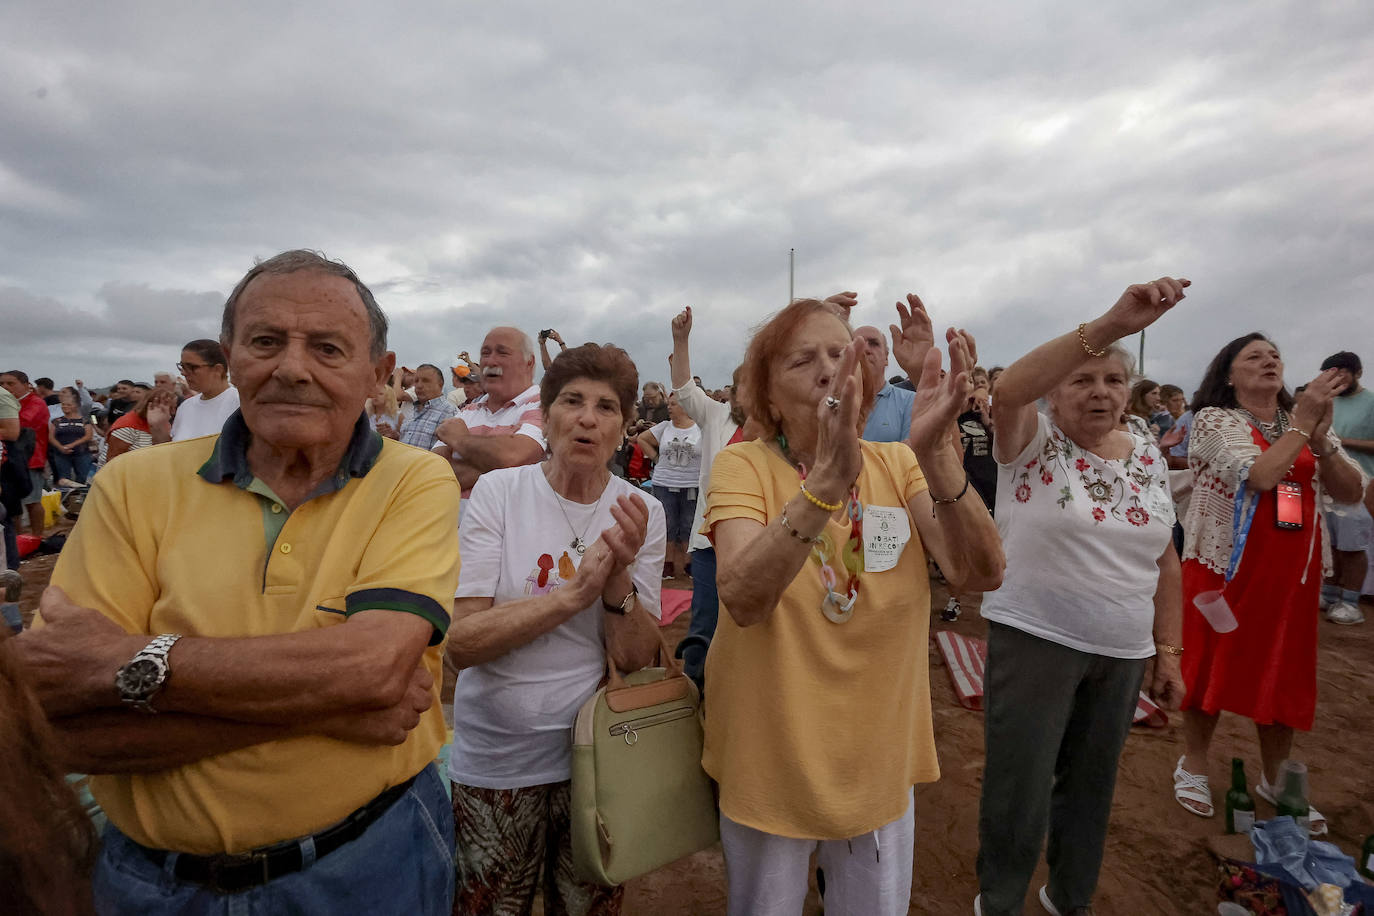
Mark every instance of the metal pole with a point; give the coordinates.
(1141, 368)
(791, 274)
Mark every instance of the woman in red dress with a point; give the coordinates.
(1253, 445)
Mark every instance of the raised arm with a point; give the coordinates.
(955, 526)
(1032, 376)
(680, 366)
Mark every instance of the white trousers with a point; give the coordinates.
(868, 875)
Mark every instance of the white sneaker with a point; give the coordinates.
(1344, 612)
(1324, 603)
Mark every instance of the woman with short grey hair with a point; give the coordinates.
(1091, 590)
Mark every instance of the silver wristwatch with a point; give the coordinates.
(145, 674)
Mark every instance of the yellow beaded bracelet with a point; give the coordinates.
(811, 498)
(1083, 339)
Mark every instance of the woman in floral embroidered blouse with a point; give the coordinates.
(1091, 587)
(1249, 437)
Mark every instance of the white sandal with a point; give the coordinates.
(1316, 821)
(1192, 787)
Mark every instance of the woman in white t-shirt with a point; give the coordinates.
(1091, 590)
(383, 411)
(675, 448)
(561, 565)
(206, 371)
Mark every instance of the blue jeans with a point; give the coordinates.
(705, 611)
(76, 466)
(403, 863)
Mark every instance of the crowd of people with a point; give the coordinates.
(284, 582)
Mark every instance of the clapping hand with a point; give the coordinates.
(940, 401)
(1142, 304)
(838, 457)
(626, 537)
(1174, 436)
(913, 337)
(1312, 412)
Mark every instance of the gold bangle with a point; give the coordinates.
(811, 498)
(1171, 649)
(1300, 431)
(1083, 339)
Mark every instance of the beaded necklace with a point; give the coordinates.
(836, 607)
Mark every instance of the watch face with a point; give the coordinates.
(141, 676)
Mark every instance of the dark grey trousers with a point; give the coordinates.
(1054, 724)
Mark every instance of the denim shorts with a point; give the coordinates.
(679, 508)
(1351, 527)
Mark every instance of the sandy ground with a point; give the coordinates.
(1156, 860)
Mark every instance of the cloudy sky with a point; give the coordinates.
(594, 167)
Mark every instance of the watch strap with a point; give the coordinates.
(157, 650)
(624, 606)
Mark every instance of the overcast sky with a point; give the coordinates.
(594, 168)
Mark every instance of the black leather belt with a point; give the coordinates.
(230, 874)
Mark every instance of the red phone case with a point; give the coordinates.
(1288, 497)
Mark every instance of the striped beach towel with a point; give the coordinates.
(966, 657)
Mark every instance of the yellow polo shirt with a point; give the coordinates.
(817, 730)
(181, 538)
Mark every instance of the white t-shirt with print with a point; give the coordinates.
(513, 716)
(1082, 536)
(679, 455)
(198, 416)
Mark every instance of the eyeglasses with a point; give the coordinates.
(191, 367)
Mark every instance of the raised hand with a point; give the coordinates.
(586, 586)
(843, 302)
(1314, 404)
(913, 337)
(682, 326)
(1142, 304)
(838, 457)
(940, 401)
(1174, 436)
(554, 335)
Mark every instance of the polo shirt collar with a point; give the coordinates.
(887, 390)
(229, 459)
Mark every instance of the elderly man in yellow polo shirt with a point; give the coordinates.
(278, 596)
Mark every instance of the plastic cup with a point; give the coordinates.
(1215, 609)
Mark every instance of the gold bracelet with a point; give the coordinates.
(1083, 339)
(787, 524)
(811, 498)
(1300, 431)
(1171, 649)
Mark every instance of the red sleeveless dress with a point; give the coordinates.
(1266, 668)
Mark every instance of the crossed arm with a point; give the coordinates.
(361, 681)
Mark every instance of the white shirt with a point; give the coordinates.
(1083, 536)
(717, 428)
(513, 716)
(679, 455)
(199, 416)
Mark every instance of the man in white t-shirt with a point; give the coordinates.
(206, 371)
(504, 427)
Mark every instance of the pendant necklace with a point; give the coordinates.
(1270, 431)
(836, 607)
(579, 541)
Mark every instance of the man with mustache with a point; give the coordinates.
(278, 595)
(503, 428)
(1351, 528)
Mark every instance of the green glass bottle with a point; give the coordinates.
(1240, 807)
(1366, 862)
(1292, 797)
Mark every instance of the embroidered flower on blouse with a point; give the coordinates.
(1023, 493)
(1135, 488)
(1098, 514)
(1146, 460)
(1082, 464)
(1099, 491)
(1137, 516)
(1046, 476)
(1032, 463)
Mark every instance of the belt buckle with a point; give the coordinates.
(233, 863)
